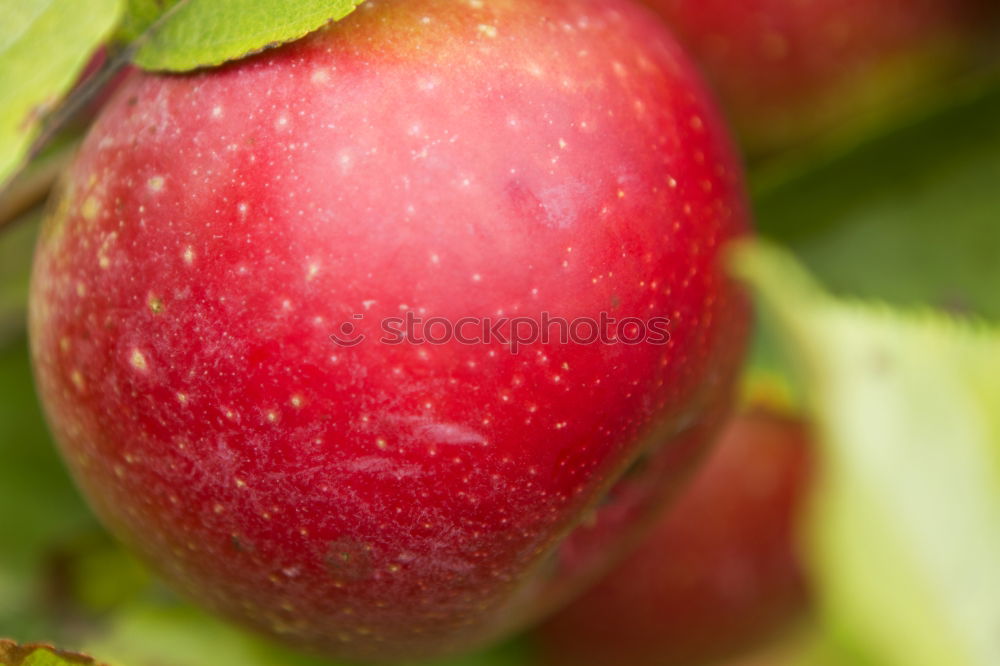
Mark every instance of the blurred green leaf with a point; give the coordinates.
(150, 634)
(101, 575)
(44, 45)
(906, 522)
(804, 645)
(40, 511)
(146, 634)
(200, 33)
(38, 505)
(911, 217)
(16, 250)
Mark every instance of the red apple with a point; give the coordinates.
(421, 159)
(717, 575)
(790, 69)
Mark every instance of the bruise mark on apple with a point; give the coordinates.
(555, 208)
(239, 545)
(525, 202)
(349, 560)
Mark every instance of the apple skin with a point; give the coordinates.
(718, 575)
(789, 71)
(385, 501)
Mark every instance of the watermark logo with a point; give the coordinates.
(512, 332)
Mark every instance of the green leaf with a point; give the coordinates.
(12, 654)
(910, 217)
(44, 44)
(140, 15)
(906, 523)
(201, 33)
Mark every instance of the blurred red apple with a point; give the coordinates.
(790, 69)
(718, 575)
(390, 499)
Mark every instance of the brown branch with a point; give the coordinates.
(31, 186)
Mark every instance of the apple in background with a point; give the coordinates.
(789, 70)
(383, 501)
(719, 573)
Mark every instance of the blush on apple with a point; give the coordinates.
(718, 574)
(421, 159)
(789, 70)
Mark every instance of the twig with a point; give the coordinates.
(32, 184)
